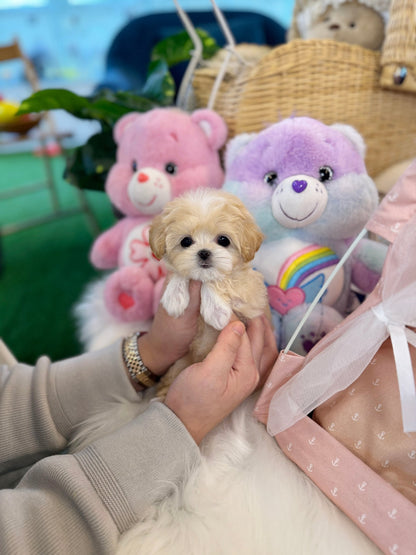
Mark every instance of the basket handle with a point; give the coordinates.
(230, 49)
(195, 57)
(398, 58)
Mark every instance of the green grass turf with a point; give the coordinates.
(45, 268)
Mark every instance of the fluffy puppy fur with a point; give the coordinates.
(210, 236)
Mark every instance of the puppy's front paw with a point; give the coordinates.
(175, 299)
(214, 310)
(220, 318)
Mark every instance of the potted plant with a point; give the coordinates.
(87, 165)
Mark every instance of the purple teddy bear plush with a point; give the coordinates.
(307, 186)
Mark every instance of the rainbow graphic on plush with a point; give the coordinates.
(304, 263)
(301, 276)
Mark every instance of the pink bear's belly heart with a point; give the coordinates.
(125, 300)
(284, 300)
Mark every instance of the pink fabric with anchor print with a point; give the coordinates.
(383, 514)
(365, 419)
(355, 448)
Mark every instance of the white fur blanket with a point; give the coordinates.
(246, 498)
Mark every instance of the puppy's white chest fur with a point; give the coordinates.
(214, 309)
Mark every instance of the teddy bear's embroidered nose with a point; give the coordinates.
(142, 177)
(299, 185)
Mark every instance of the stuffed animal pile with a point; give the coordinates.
(160, 154)
(304, 182)
(307, 187)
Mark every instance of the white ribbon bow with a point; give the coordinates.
(354, 344)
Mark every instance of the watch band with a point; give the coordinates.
(138, 371)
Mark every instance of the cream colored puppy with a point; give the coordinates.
(209, 236)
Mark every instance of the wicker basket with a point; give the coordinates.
(333, 82)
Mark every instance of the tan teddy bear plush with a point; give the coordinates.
(360, 22)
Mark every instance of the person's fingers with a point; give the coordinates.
(245, 364)
(270, 351)
(222, 356)
(194, 295)
(255, 332)
(269, 338)
(165, 282)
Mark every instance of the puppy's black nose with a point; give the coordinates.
(204, 254)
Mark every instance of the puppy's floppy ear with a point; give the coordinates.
(251, 241)
(157, 236)
(250, 236)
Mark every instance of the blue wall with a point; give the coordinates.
(68, 41)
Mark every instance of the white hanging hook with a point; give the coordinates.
(230, 51)
(230, 47)
(195, 58)
(224, 25)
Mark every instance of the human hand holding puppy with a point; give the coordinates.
(205, 393)
(208, 391)
(208, 237)
(169, 338)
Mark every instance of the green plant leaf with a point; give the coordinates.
(159, 85)
(107, 112)
(53, 99)
(209, 45)
(87, 166)
(128, 99)
(178, 47)
(106, 106)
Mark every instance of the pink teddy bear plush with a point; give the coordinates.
(160, 154)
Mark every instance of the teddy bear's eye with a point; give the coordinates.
(187, 242)
(325, 173)
(270, 178)
(134, 165)
(352, 24)
(223, 241)
(171, 168)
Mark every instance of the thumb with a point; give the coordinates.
(223, 355)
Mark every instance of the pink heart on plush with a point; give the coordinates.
(125, 300)
(284, 300)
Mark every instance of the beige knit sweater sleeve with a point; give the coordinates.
(83, 502)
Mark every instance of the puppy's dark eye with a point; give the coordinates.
(325, 173)
(134, 165)
(352, 24)
(171, 168)
(223, 241)
(187, 242)
(270, 178)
